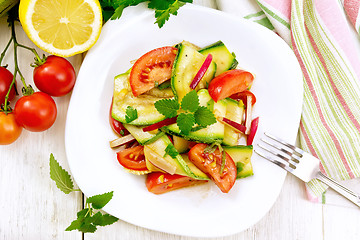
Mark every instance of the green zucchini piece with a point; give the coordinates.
(210, 134)
(144, 104)
(156, 152)
(187, 63)
(200, 175)
(242, 158)
(181, 144)
(224, 59)
(142, 137)
(234, 112)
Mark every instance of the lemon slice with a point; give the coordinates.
(61, 27)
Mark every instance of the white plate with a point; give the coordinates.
(201, 211)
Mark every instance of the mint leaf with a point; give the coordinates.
(190, 101)
(103, 219)
(204, 117)
(185, 121)
(131, 114)
(83, 222)
(60, 176)
(100, 200)
(167, 107)
(76, 224)
(171, 151)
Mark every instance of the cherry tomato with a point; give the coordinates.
(9, 129)
(243, 97)
(210, 164)
(36, 112)
(6, 78)
(229, 83)
(117, 126)
(159, 183)
(133, 158)
(55, 77)
(152, 68)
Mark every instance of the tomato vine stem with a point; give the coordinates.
(27, 89)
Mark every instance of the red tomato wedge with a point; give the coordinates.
(229, 83)
(133, 158)
(159, 183)
(152, 68)
(210, 164)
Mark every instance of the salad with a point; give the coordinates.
(180, 113)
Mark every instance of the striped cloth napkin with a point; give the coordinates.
(324, 35)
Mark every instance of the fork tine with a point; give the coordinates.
(282, 157)
(273, 160)
(298, 150)
(292, 155)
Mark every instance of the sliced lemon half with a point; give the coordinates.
(61, 27)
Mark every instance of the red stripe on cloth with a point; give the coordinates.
(333, 85)
(317, 103)
(352, 9)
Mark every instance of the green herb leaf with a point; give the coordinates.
(171, 151)
(100, 200)
(190, 101)
(131, 114)
(204, 117)
(162, 15)
(100, 219)
(61, 177)
(185, 121)
(167, 107)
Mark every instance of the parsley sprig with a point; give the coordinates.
(113, 9)
(87, 219)
(191, 112)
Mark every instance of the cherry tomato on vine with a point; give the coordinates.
(6, 78)
(9, 129)
(56, 76)
(36, 112)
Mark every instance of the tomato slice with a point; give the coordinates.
(152, 68)
(158, 183)
(133, 158)
(229, 83)
(117, 126)
(210, 164)
(243, 97)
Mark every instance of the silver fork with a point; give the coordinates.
(301, 164)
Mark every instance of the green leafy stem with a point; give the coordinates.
(87, 219)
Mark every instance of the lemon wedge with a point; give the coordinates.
(61, 27)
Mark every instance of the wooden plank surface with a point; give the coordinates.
(32, 207)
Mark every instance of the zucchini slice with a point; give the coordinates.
(143, 137)
(187, 63)
(234, 112)
(242, 158)
(144, 104)
(155, 153)
(221, 56)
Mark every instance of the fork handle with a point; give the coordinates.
(355, 198)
